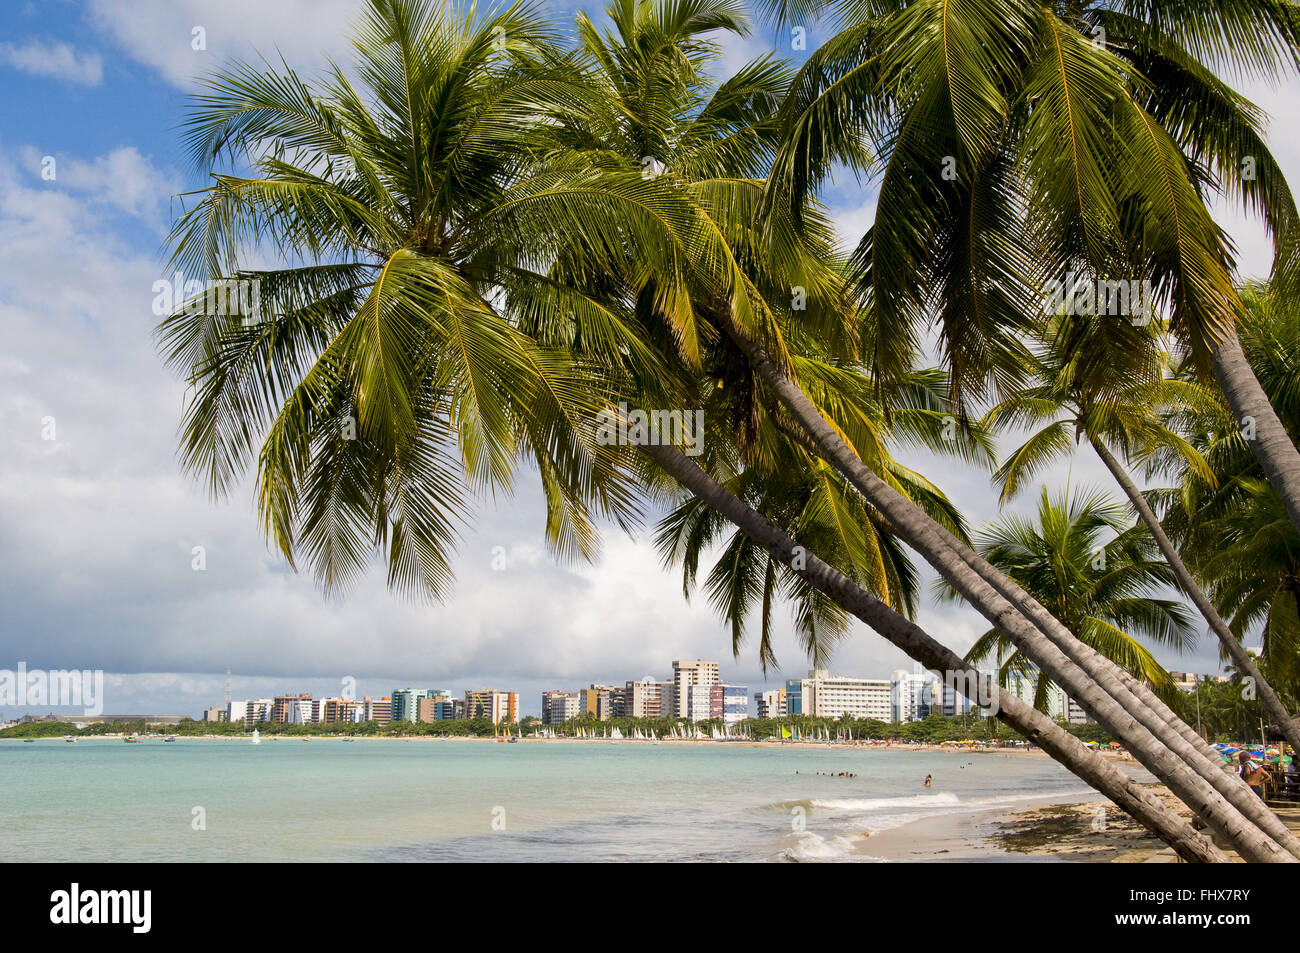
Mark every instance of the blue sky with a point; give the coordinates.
(98, 525)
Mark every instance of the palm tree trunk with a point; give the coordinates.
(1272, 445)
(1087, 765)
(1231, 644)
(1223, 800)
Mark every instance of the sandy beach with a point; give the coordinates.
(1074, 830)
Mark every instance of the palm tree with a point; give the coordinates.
(982, 279)
(820, 509)
(1081, 388)
(1254, 570)
(1101, 588)
(967, 107)
(382, 382)
(740, 304)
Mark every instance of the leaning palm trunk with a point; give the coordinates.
(1085, 764)
(1271, 444)
(1231, 644)
(1221, 799)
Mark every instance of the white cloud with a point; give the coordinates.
(160, 33)
(123, 179)
(57, 60)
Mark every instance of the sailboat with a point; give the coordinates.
(257, 738)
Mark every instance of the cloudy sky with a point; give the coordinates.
(98, 526)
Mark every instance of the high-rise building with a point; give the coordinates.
(735, 704)
(379, 710)
(598, 701)
(449, 709)
(406, 700)
(700, 702)
(905, 693)
(499, 707)
(823, 695)
(942, 699)
(771, 704)
(688, 672)
(336, 710)
(426, 710)
(644, 699)
(834, 696)
(290, 709)
(794, 695)
(214, 714)
(558, 707)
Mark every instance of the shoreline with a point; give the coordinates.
(1078, 828)
(838, 747)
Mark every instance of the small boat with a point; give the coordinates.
(257, 739)
(131, 740)
(170, 738)
(69, 739)
(29, 741)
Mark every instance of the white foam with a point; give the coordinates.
(811, 848)
(868, 805)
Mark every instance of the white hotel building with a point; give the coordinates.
(823, 695)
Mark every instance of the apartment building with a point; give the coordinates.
(380, 709)
(336, 710)
(499, 707)
(449, 709)
(558, 707)
(426, 709)
(645, 699)
(688, 672)
(598, 701)
(772, 703)
(823, 695)
(290, 709)
(735, 704)
(406, 701)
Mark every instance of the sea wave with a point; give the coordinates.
(810, 847)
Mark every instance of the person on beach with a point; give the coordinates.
(927, 780)
(1252, 772)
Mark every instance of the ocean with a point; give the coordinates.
(385, 800)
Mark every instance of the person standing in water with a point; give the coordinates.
(927, 780)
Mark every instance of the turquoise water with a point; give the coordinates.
(102, 800)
